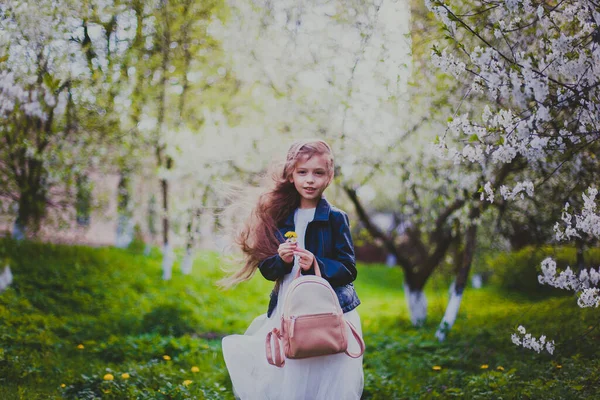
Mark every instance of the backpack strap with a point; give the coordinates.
(279, 360)
(315, 267)
(361, 342)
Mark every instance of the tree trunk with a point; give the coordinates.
(83, 200)
(19, 231)
(32, 202)
(450, 314)
(417, 260)
(188, 261)
(168, 256)
(151, 225)
(188, 258)
(457, 288)
(5, 279)
(164, 160)
(417, 305)
(124, 218)
(167, 263)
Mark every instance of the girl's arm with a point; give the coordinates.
(274, 267)
(340, 270)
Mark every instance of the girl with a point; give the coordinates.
(296, 203)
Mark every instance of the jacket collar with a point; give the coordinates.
(321, 213)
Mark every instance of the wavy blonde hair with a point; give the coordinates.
(257, 238)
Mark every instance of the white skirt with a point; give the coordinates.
(335, 376)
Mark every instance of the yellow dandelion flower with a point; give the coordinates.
(187, 382)
(484, 366)
(108, 377)
(80, 346)
(166, 358)
(195, 369)
(500, 368)
(291, 236)
(558, 366)
(62, 385)
(125, 376)
(437, 368)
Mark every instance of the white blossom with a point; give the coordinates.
(587, 222)
(526, 340)
(489, 191)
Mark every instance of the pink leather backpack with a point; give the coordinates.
(312, 322)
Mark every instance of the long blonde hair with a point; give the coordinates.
(257, 238)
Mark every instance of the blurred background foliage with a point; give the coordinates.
(127, 124)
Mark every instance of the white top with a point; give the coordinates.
(302, 217)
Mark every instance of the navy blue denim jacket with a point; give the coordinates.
(328, 238)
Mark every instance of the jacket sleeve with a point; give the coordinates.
(274, 267)
(340, 270)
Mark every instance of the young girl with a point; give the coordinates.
(296, 203)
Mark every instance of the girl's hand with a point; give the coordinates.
(305, 258)
(286, 251)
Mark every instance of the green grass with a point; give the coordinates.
(114, 303)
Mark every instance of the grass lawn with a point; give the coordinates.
(76, 315)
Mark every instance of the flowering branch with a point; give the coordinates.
(526, 340)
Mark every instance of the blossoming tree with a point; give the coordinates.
(535, 65)
(45, 94)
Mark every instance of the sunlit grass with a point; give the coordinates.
(76, 315)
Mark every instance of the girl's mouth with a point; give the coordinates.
(310, 190)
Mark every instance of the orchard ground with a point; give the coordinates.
(91, 323)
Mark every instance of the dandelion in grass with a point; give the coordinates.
(484, 366)
(80, 346)
(166, 358)
(195, 369)
(558, 366)
(437, 368)
(62, 385)
(108, 377)
(125, 375)
(187, 382)
(500, 368)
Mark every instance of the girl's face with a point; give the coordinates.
(311, 178)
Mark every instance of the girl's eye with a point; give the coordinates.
(301, 172)
(319, 172)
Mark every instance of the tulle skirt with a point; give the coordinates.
(335, 376)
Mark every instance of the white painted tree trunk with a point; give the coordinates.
(390, 260)
(124, 231)
(18, 232)
(476, 281)
(147, 249)
(450, 315)
(188, 261)
(6, 278)
(168, 260)
(417, 305)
